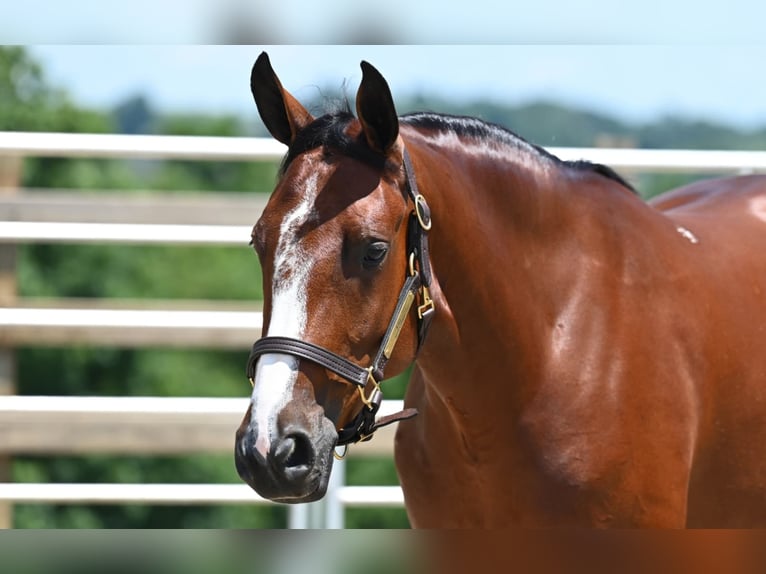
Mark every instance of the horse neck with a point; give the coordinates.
(503, 229)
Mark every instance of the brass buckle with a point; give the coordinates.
(428, 303)
(376, 387)
(420, 202)
(425, 296)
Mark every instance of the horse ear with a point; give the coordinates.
(282, 114)
(376, 111)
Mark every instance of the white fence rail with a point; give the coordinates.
(264, 149)
(184, 494)
(148, 425)
(48, 232)
(129, 327)
(130, 424)
(40, 144)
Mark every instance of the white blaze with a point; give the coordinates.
(276, 373)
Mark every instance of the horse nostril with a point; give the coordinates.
(295, 452)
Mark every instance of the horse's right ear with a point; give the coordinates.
(282, 114)
(375, 110)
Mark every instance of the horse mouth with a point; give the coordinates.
(318, 492)
(310, 489)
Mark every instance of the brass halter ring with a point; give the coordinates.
(423, 217)
(337, 456)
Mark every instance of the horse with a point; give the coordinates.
(579, 356)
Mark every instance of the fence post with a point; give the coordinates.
(336, 510)
(10, 177)
(327, 513)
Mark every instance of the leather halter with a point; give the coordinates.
(415, 287)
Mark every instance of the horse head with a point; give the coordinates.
(333, 243)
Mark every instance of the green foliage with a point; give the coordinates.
(29, 104)
(154, 272)
(207, 175)
(134, 116)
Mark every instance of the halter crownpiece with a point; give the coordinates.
(415, 289)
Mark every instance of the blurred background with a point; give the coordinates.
(663, 97)
(394, 22)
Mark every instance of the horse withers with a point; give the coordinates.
(581, 357)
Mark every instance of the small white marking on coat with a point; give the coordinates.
(687, 234)
(757, 206)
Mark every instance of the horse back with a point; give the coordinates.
(724, 223)
(733, 197)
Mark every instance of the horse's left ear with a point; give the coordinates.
(376, 111)
(281, 113)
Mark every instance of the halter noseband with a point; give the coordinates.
(415, 287)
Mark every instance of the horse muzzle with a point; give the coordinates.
(296, 466)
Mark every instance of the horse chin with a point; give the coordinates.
(316, 491)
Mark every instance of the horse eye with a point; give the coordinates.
(374, 254)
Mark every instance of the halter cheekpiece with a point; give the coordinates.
(415, 290)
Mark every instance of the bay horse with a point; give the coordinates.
(581, 357)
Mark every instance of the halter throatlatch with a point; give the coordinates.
(414, 291)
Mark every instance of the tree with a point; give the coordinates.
(134, 116)
(30, 104)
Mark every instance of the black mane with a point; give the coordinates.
(481, 130)
(329, 130)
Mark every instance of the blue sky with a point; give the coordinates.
(633, 82)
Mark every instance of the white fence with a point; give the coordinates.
(173, 425)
